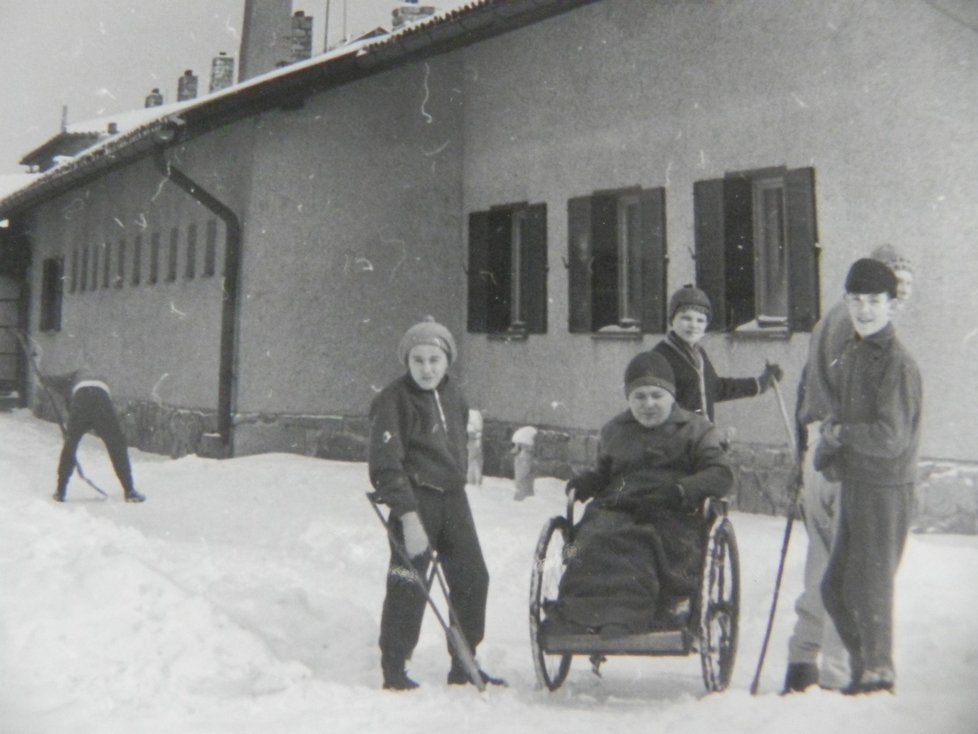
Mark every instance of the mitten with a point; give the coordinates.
(415, 538)
(582, 486)
(772, 373)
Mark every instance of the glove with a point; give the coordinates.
(772, 373)
(582, 487)
(415, 538)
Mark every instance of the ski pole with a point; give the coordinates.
(455, 637)
(793, 490)
(54, 405)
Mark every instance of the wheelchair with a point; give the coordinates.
(712, 630)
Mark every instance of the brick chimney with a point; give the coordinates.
(222, 72)
(301, 36)
(187, 86)
(154, 98)
(266, 33)
(410, 12)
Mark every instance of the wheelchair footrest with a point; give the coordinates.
(665, 642)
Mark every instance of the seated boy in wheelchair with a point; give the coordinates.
(635, 558)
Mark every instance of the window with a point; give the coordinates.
(174, 251)
(756, 249)
(137, 259)
(120, 273)
(51, 294)
(210, 248)
(83, 286)
(106, 263)
(617, 261)
(191, 266)
(154, 259)
(74, 271)
(507, 270)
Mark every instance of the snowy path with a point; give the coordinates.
(244, 596)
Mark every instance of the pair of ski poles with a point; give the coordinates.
(453, 631)
(22, 340)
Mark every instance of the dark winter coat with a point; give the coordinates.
(65, 384)
(697, 382)
(880, 410)
(418, 438)
(636, 547)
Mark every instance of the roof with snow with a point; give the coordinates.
(138, 132)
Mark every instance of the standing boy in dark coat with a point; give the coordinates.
(418, 464)
(90, 409)
(872, 443)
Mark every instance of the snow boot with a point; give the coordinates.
(871, 681)
(58, 496)
(799, 677)
(133, 496)
(396, 677)
(458, 676)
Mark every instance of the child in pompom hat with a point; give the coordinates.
(698, 387)
(417, 460)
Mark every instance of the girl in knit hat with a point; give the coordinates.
(698, 387)
(637, 551)
(417, 460)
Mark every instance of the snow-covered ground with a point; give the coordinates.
(244, 596)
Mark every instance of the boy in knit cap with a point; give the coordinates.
(816, 654)
(698, 387)
(871, 441)
(417, 463)
(637, 551)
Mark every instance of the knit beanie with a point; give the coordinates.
(649, 368)
(428, 332)
(871, 276)
(888, 255)
(690, 296)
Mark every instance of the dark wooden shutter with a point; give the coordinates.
(710, 248)
(579, 257)
(652, 205)
(803, 306)
(604, 260)
(498, 273)
(533, 269)
(478, 264)
(738, 216)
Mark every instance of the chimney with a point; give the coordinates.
(266, 32)
(301, 36)
(113, 128)
(222, 72)
(410, 12)
(187, 86)
(154, 98)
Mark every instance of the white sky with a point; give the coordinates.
(100, 57)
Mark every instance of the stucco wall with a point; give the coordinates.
(351, 235)
(878, 97)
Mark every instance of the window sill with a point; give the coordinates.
(755, 330)
(618, 333)
(508, 336)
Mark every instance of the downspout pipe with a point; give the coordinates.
(231, 290)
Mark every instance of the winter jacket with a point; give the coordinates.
(698, 387)
(638, 467)
(418, 438)
(880, 406)
(67, 383)
(818, 393)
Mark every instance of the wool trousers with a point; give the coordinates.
(92, 410)
(447, 520)
(814, 638)
(858, 587)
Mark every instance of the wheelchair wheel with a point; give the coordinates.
(548, 566)
(719, 606)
